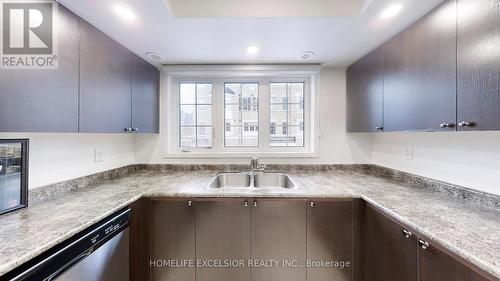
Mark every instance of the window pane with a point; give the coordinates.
(232, 93)
(195, 115)
(204, 137)
(204, 115)
(188, 93)
(287, 113)
(250, 116)
(295, 136)
(188, 137)
(295, 92)
(241, 109)
(188, 116)
(250, 136)
(295, 114)
(233, 115)
(233, 136)
(278, 92)
(249, 90)
(204, 93)
(277, 114)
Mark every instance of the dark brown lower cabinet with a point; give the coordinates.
(279, 234)
(282, 240)
(330, 240)
(388, 254)
(222, 240)
(391, 252)
(436, 265)
(172, 240)
(140, 238)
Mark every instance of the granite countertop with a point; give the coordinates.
(470, 230)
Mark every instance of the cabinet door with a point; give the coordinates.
(105, 83)
(172, 239)
(44, 100)
(330, 238)
(145, 96)
(279, 234)
(479, 64)
(223, 233)
(365, 93)
(140, 238)
(388, 254)
(435, 265)
(420, 74)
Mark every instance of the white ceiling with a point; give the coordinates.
(334, 40)
(273, 8)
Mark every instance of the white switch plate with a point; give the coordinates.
(409, 153)
(99, 155)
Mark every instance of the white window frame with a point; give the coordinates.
(218, 75)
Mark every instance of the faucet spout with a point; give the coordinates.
(255, 166)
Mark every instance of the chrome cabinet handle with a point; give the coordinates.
(312, 204)
(407, 234)
(423, 244)
(466, 124)
(189, 203)
(245, 203)
(447, 125)
(128, 129)
(379, 128)
(136, 130)
(255, 204)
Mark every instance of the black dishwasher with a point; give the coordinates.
(98, 253)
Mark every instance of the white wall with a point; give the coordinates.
(58, 157)
(470, 159)
(335, 145)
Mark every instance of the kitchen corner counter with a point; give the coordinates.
(470, 230)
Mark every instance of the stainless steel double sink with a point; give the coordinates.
(253, 181)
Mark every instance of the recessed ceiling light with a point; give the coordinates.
(154, 56)
(391, 11)
(252, 50)
(124, 12)
(306, 55)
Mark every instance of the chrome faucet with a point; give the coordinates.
(255, 166)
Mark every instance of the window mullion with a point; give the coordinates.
(218, 99)
(264, 116)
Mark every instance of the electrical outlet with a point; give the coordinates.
(409, 153)
(99, 155)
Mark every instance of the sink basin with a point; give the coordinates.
(273, 181)
(231, 180)
(259, 181)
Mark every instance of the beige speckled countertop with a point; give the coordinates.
(470, 230)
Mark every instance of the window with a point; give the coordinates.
(195, 115)
(272, 128)
(241, 112)
(290, 113)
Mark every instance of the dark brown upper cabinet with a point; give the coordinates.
(420, 74)
(478, 83)
(105, 83)
(145, 96)
(365, 85)
(44, 100)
